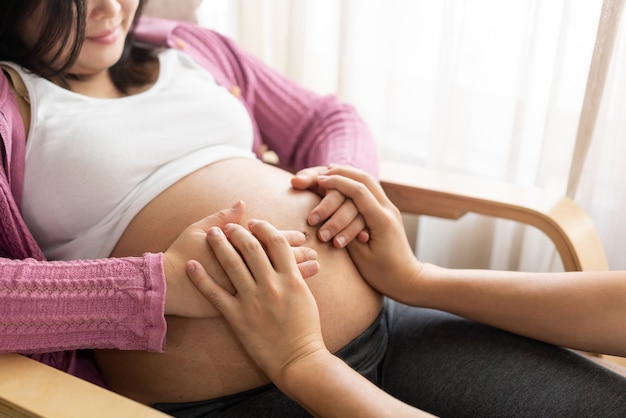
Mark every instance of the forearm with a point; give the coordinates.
(54, 306)
(583, 310)
(328, 387)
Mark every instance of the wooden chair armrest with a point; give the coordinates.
(420, 190)
(31, 389)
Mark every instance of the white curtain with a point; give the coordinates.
(601, 190)
(487, 87)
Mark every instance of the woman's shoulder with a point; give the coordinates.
(170, 33)
(12, 133)
(5, 89)
(9, 108)
(14, 104)
(217, 53)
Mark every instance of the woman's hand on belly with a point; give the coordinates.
(275, 316)
(182, 297)
(204, 359)
(338, 218)
(273, 313)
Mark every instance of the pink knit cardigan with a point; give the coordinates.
(51, 309)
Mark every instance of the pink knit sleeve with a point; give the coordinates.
(55, 306)
(306, 129)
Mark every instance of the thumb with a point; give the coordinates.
(302, 180)
(307, 177)
(223, 217)
(215, 294)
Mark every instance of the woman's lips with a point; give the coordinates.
(106, 38)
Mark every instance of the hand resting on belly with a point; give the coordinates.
(203, 358)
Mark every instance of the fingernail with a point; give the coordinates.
(191, 267)
(314, 219)
(341, 241)
(325, 235)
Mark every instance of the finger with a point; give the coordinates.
(330, 203)
(304, 254)
(251, 247)
(368, 204)
(306, 259)
(214, 269)
(304, 179)
(339, 220)
(294, 238)
(307, 179)
(230, 260)
(279, 251)
(309, 269)
(223, 217)
(360, 176)
(364, 236)
(220, 298)
(350, 233)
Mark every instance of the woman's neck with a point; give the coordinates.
(98, 85)
(101, 85)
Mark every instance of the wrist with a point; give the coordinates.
(168, 272)
(296, 375)
(419, 284)
(431, 287)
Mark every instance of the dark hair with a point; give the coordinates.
(64, 21)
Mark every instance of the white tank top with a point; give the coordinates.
(92, 164)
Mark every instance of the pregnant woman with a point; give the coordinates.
(118, 134)
(129, 142)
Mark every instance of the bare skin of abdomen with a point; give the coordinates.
(203, 358)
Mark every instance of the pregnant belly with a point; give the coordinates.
(203, 358)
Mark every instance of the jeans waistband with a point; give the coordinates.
(366, 351)
(364, 354)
